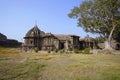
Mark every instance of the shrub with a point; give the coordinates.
(86, 51)
(25, 49)
(36, 49)
(56, 50)
(62, 51)
(49, 51)
(76, 51)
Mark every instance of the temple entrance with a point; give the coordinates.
(62, 45)
(118, 47)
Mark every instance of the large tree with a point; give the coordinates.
(99, 16)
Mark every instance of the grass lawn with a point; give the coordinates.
(15, 65)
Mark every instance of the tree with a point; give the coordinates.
(99, 16)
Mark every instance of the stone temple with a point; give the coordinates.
(48, 41)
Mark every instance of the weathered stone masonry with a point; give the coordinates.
(48, 41)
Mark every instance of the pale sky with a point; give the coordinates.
(19, 16)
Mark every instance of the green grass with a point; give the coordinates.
(15, 65)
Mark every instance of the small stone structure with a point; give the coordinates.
(48, 41)
(88, 42)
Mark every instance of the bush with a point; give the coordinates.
(49, 51)
(76, 51)
(86, 51)
(25, 49)
(56, 50)
(36, 49)
(62, 51)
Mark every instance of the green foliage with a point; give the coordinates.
(62, 51)
(56, 50)
(99, 40)
(36, 49)
(49, 51)
(98, 16)
(117, 36)
(76, 51)
(86, 51)
(25, 49)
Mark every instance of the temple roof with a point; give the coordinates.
(35, 31)
(87, 39)
(63, 37)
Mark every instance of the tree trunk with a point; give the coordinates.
(108, 45)
(108, 41)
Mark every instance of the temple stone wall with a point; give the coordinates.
(48, 41)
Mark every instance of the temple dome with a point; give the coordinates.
(34, 32)
(88, 39)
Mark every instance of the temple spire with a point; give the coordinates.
(35, 22)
